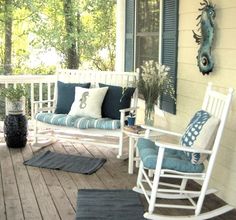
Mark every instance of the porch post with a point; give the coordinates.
(120, 35)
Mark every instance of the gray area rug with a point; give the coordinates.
(66, 162)
(95, 204)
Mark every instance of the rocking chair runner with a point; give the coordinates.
(184, 161)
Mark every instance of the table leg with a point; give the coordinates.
(131, 156)
(137, 155)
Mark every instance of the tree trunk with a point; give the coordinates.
(78, 31)
(71, 52)
(8, 38)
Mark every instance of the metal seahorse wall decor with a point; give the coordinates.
(206, 37)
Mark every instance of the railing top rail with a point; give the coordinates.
(52, 78)
(26, 78)
(72, 71)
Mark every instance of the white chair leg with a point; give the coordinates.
(120, 148)
(156, 179)
(136, 154)
(140, 174)
(35, 132)
(205, 185)
(183, 184)
(131, 155)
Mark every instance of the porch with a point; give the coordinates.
(32, 193)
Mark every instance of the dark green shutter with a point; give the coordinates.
(170, 48)
(129, 35)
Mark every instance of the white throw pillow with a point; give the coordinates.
(200, 133)
(88, 102)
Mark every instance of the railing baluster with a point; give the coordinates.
(6, 103)
(49, 95)
(32, 98)
(41, 93)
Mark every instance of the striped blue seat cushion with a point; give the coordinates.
(173, 159)
(78, 122)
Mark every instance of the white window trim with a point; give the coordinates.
(160, 32)
(141, 102)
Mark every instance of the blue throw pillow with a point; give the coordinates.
(66, 96)
(116, 98)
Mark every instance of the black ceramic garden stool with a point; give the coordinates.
(15, 130)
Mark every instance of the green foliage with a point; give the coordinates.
(154, 80)
(13, 94)
(40, 70)
(40, 25)
(98, 34)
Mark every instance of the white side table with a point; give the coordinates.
(133, 151)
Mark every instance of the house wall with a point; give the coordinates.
(191, 85)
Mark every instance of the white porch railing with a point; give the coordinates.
(38, 86)
(42, 87)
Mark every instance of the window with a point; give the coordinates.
(147, 31)
(143, 44)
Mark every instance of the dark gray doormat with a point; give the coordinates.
(95, 204)
(66, 162)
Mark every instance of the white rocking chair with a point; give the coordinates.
(184, 161)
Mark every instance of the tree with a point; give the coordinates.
(98, 34)
(70, 28)
(82, 32)
(8, 37)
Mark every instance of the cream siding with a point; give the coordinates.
(191, 85)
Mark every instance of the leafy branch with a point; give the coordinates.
(13, 94)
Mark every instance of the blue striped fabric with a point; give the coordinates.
(78, 122)
(173, 159)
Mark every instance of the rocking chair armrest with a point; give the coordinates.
(44, 109)
(181, 148)
(128, 109)
(122, 115)
(43, 101)
(162, 131)
(38, 108)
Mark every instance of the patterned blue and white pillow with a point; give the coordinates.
(200, 132)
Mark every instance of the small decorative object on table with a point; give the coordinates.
(131, 119)
(154, 81)
(15, 123)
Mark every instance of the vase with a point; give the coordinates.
(131, 120)
(149, 114)
(15, 107)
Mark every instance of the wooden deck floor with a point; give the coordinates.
(32, 193)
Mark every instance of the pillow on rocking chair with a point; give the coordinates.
(200, 132)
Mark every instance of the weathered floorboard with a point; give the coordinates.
(59, 197)
(10, 189)
(2, 205)
(27, 197)
(34, 193)
(42, 194)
